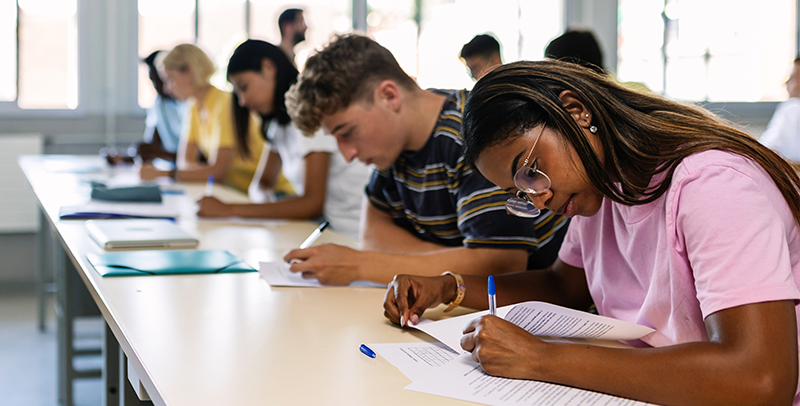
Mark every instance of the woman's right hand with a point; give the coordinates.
(409, 296)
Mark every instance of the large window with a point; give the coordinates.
(45, 53)
(162, 25)
(523, 28)
(8, 46)
(715, 50)
(218, 26)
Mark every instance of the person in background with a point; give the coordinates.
(293, 28)
(783, 132)
(428, 212)
(325, 184)
(577, 46)
(209, 128)
(164, 119)
(682, 223)
(481, 54)
(162, 125)
(582, 47)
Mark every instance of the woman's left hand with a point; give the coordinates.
(149, 172)
(212, 207)
(504, 349)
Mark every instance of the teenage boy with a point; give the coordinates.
(426, 213)
(481, 54)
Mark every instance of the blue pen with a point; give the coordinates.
(210, 185)
(492, 299)
(367, 351)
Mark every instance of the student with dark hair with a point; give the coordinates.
(481, 54)
(164, 119)
(428, 211)
(163, 124)
(581, 47)
(577, 46)
(326, 185)
(209, 127)
(681, 223)
(293, 28)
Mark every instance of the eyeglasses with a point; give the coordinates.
(529, 180)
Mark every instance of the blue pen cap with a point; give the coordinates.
(367, 351)
(491, 285)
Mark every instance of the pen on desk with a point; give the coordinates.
(367, 351)
(209, 185)
(492, 299)
(313, 237)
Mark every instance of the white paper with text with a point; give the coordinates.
(465, 380)
(541, 319)
(415, 360)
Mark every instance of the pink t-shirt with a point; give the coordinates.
(721, 236)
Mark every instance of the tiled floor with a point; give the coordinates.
(28, 357)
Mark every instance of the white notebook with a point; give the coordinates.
(139, 234)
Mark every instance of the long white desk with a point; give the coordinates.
(231, 339)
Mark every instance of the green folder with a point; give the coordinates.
(160, 262)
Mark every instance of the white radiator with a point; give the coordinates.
(19, 212)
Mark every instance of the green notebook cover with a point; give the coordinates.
(159, 262)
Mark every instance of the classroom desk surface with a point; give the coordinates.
(231, 339)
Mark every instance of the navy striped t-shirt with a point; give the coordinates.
(432, 194)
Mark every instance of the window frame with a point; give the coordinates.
(101, 24)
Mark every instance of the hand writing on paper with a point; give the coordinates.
(212, 207)
(330, 264)
(408, 296)
(505, 349)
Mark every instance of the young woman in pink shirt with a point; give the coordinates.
(683, 224)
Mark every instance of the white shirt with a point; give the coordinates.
(345, 188)
(783, 132)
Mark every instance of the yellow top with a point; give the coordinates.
(211, 128)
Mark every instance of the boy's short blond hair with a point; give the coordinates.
(186, 56)
(345, 71)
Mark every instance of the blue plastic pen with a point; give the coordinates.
(492, 299)
(367, 351)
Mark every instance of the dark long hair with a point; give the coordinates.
(641, 134)
(248, 56)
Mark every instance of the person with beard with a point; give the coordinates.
(293, 31)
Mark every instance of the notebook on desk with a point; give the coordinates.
(139, 234)
(117, 210)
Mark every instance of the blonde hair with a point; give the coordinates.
(186, 56)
